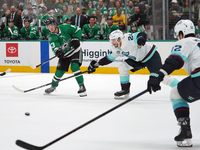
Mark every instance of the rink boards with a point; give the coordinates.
(17, 55)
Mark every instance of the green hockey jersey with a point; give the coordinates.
(107, 30)
(31, 32)
(14, 33)
(63, 39)
(92, 33)
(137, 30)
(45, 32)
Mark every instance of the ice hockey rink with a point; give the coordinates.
(146, 123)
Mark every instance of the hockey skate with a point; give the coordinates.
(183, 139)
(82, 91)
(50, 90)
(124, 93)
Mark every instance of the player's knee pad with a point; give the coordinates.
(174, 93)
(124, 68)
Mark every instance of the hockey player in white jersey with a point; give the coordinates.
(185, 53)
(139, 53)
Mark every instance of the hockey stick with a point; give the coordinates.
(33, 67)
(4, 73)
(24, 91)
(32, 147)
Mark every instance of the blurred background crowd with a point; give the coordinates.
(24, 19)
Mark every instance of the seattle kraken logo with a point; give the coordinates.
(125, 53)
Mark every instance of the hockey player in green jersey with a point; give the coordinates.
(29, 31)
(11, 31)
(64, 41)
(134, 28)
(110, 27)
(91, 31)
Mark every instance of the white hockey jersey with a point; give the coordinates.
(129, 48)
(188, 49)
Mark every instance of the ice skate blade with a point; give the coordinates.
(126, 96)
(185, 143)
(83, 94)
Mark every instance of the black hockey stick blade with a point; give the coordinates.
(4, 73)
(33, 67)
(25, 91)
(27, 145)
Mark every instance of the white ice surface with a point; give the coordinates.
(146, 123)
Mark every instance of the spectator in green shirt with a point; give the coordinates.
(91, 10)
(103, 9)
(68, 15)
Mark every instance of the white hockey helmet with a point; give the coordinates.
(116, 34)
(186, 26)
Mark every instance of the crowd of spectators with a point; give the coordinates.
(24, 19)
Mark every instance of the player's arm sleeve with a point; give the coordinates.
(108, 58)
(55, 44)
(75, 31)
(32, 33)
(172, 63)
(15, 33)
(22, 33)
(177, 58)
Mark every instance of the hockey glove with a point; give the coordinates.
(154, 81)
(75, 43)
(59, 52)
(141, 41)
(28, 38)
(92, 67)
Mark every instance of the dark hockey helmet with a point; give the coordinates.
(133, 24)
(50, 21)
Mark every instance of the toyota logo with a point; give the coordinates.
(12, 49)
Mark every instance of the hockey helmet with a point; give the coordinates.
(116, 34)
(133, 24)
(50, 21)
(186, 26)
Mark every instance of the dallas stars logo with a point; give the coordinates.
(65, 44)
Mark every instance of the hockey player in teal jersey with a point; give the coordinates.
(64, 41)
(185, 53)
(108, 28)
(139, 53)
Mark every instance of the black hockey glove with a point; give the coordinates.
(28, 38)
(154, 81)
(75, 43)
(59, 52)
(92, 67)
(141, 41)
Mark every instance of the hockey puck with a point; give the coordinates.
(27, 114)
